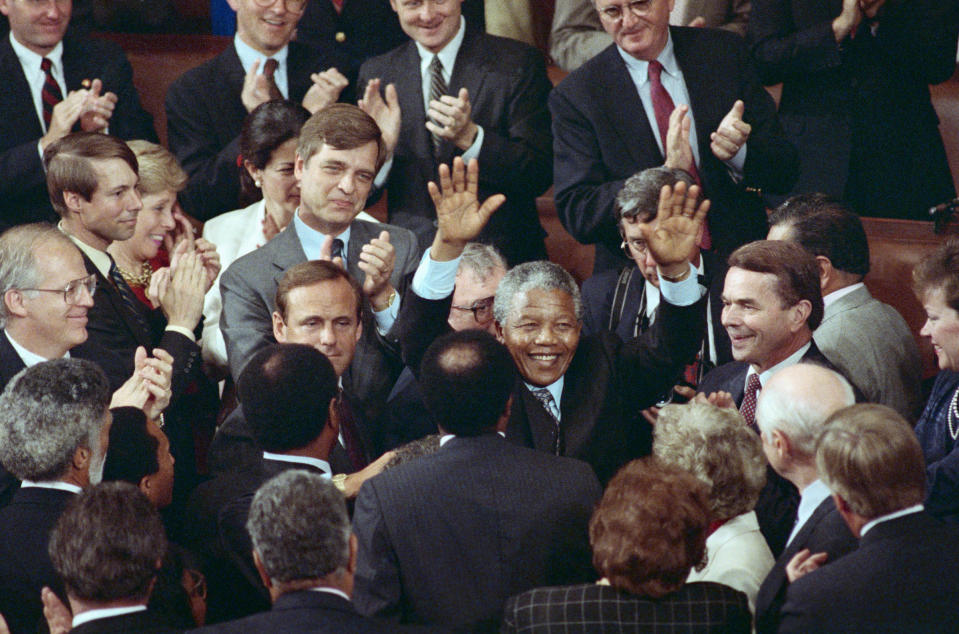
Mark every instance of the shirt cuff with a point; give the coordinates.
(183, 331)
(435, 280)
(737, 163)
(474, 150)
(386, 317)
(685, 293)
(383, 174)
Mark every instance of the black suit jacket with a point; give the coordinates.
(602, 137)
(508, 87)
(837, 96)
(146, 622)
(445, 539)
(696, 607)
(824, 531)
(205, 115)
(904, 577)
(23, 181)
(25, 566)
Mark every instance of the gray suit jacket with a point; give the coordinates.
(248, 288)
(869, 342)
(578, 34)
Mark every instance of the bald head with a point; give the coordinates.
(797, 400)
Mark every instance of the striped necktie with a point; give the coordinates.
(50, 94)
(437, 89)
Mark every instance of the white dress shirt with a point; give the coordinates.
(248, 55)
(30, 62)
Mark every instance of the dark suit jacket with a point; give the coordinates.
(445, 539)
(904, 577)
(146, 622)
(248, 289)
(602, 136)
(25, 566)
(696, 607)
(779, 499)
(508, 87)
(205, 115)
(305, 611)
(23, 181)
(824, 531)
(835, 97)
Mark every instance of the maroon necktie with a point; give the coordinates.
(351, 437)
(269, 67)
(663, 106)
(748, 407)
(338, 5)
(50, 94)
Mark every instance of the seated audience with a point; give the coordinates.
(427, 551)
(904, 577)
(306, 556)
(792, 413)
(54, 83)
(573, 397)
(206, 106)
(936, 283)
(106, 547)
(453, 91)
(647, 534)
(578, 35)
(54, 426)
(867, 340)
(714, 445)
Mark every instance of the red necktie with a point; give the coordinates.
(351, 436)
(338, 5)
(269, 67)
(50, 94)
(748, 407)
(663, 106)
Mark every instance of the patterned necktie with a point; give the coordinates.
(351, 437)
(269, 68)
(663, 106)
(549, 404)
(130, 300)
(437, 89)
(50, 94)
(748, 407)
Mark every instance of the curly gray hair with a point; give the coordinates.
(541, 275)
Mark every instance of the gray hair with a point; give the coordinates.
(799, 412)
(541, 275)
(47, 412)
(715, 445)
(639, 196)
(299, 527)
(482, 260)
(18, 263)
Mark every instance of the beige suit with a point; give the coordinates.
(578, 34)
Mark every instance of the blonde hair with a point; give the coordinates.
(159, 170)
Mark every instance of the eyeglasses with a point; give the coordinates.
(73, 292)
(636, 245)
(482, 309)
(614, 12)
(293, 6)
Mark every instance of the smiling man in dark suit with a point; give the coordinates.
(90, 82)
(610, 118)
(486, 99)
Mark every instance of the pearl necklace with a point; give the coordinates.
(954, 415)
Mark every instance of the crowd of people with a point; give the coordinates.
(300, 418)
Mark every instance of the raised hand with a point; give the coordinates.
(65, 115)
(731, 134)
(326, 253)
(679, 153)
(256, 88)
(325, 90)
(377, 260)
(450, 118)
(183, 300)
(386, 112)
(459, 214)
(672, 235)
(97, 109)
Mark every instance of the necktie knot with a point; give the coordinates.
(45, 64)
(655, 70)
(337, 250)
(269, 67)
(750, 396)
(269, 70)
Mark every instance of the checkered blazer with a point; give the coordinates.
(696, 607)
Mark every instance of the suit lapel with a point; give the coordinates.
(626, 112)
(701, 89)
(10, 361)
(297, 72)
(107, 293)
(539, 424)
(286, 251)
(12, 72)
(409, 88)
(469, 72)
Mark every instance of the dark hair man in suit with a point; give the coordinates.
(866, 339)
(791, 415)
(140, 454)
(904, 577)
(412, 520)
(54, 426)
(107, 547)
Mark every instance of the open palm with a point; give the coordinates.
(671, 237)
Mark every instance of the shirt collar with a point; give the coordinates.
(447, 54)
(316, 463)
(100, 259)
(842, 292)
(248, 55)
(105, 613)
(312, 240)
(29, 359)
(555, 389)
(52, 484)
(666, 57)
(445, 438)
(30, 61)
(885, 518)
(330, 590)
(792, 359)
